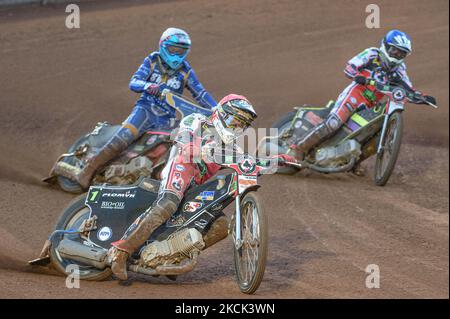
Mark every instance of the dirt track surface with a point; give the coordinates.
(57, 83)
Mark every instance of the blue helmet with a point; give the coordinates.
(395, 46)
(174, 46)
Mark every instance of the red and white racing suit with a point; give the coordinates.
(368, 64)
(186, 165)
(355, 96)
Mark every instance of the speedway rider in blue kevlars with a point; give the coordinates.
(163, 69)
(385, 65)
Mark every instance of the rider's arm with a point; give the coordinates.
(139, 81)
(198, 91)
(358, 62)
(185, 138)
(420, 97)
(403, 76)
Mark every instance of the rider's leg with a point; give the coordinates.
(136, 235)
(217, 231)
(115, 146)
(177, 177)
(134, 126)
(349, 100)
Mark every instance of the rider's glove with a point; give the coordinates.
(152, 89)
(430, 99)
(361, 79)
(394, 77)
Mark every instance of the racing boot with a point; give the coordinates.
(359, 170)
(118, 260)
(317, 135)
(217, 231)
(115, 146)
(140, 231)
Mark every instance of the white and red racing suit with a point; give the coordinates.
(186, 165)
(367, 64)
(355, 96)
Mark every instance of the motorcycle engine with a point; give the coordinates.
(130, 172)
(173, 250)
(335, 156)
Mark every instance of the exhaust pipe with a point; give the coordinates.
(96, 257)
(92, 256)
(170, 270)
(178, 270)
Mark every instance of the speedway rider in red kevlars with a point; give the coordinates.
(190, 163)
(385, 65)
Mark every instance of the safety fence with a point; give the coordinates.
(43, 2)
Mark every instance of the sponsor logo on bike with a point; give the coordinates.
(206, 195)
(247, 165)
(398, 94)
(191, 207)
(127, 194)
(202, 223)
(247, 181)
(104, 233)
(113, 205)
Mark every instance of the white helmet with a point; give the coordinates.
(232, 116)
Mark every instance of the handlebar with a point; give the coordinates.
(411, 95)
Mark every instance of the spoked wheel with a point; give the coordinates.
(250, 257)
(72, 218)
(386, 159)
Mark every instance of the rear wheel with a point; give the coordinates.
(283, 125)
(387, 157)
(71, 218)
(250, 257)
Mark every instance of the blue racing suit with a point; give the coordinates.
(149, 112)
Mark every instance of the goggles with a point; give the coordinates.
(233, 122)
(176, 50)
(397, 53)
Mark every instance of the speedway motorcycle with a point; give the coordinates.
(145, 157)
(91, 222)
(376, 131)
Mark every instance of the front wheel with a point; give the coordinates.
(71, 218)
(250, 258)
(387, 157)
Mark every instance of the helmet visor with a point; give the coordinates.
(176, 50)
(233, 122)
(397, 53)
